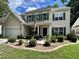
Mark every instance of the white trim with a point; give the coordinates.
(5, 17)
(12, 27)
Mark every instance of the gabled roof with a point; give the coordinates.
(48, 9)
(76, 24)
(16, 15)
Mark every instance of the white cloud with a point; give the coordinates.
(31, 8)
(39, 0)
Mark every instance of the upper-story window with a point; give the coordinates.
(59, 16)
(38, 17)
(45, 16)
(31, 18)
(58, 31)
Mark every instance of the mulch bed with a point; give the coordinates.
(41, 47)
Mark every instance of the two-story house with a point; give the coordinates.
(45, 21)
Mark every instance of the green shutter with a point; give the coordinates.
(64, 16)
(53, 17)
(64, 31)
(52, 31)
(47, 16)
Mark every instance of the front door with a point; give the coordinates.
(44, 31)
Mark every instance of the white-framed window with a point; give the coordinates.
(58, 31)
(58, 16)
(38, 17)
(77, 31)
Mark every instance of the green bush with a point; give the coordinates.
(47, 43)
(72, 37)
(37, 37)
(32, 43)
(46, 37)
(65, 38)
(20, 37)
(20, 42)
(77, 37)
(60, 38)
(53, 39)
(69, 36)
(12, 40)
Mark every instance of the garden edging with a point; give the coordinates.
(44, 50)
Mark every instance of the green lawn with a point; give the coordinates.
(67, 52)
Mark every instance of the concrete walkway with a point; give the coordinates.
(2, 41)
(44, 50)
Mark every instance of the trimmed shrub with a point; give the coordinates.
(69, 36)
(37, 37)
(65, 38)
(28, 37)
(32, 43)
(60, 38)
(20, 37)
(72, 37)
(20, 42)
(53, 39)
(47, 37)
(47, 43)
(12, 40)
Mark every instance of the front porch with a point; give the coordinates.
(42, 30)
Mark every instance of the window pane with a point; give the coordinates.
(29, 18)
(60, 18)
(40, 17)
(44, 16)
(37, 17)
(56, 18)
(61, 31)
(33, 17)
(56, 31)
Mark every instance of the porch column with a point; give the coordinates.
(38, 30)
(3, 32)
(50, 30)
(22, 29)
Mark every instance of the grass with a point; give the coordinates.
(67, 52)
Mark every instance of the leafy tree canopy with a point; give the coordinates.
(55, 5)
(3, 7)
(74, 4)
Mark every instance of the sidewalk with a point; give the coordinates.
(2, 41)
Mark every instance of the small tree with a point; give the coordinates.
(55, 5)
(63, 1)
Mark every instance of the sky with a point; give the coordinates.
(23, 6)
